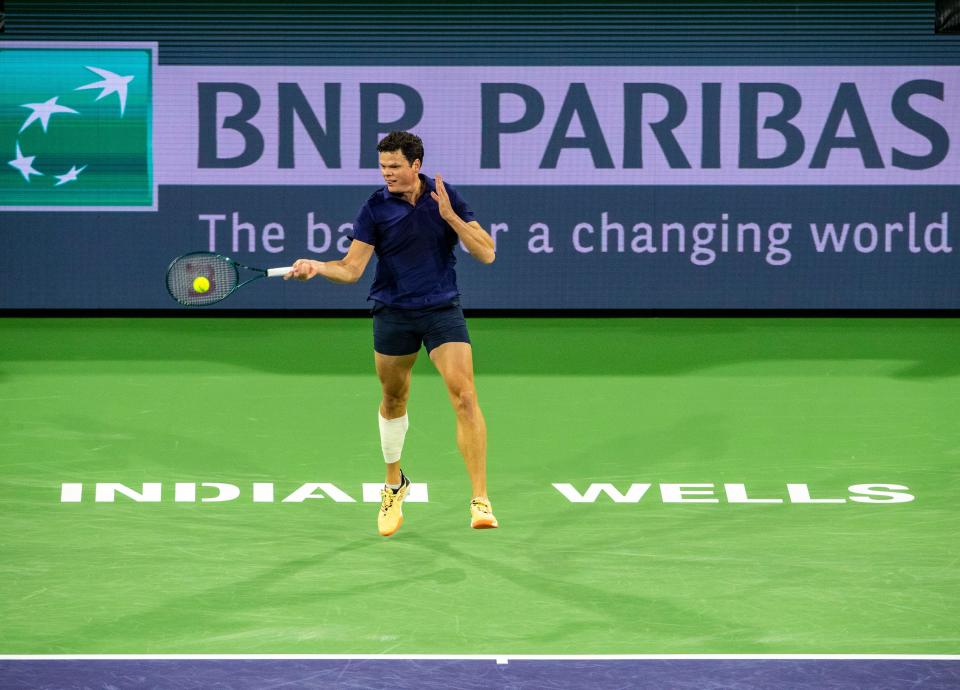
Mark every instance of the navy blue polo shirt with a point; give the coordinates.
(414, 247)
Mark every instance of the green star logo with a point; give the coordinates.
(75, 128)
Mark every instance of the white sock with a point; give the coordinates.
(392, 433)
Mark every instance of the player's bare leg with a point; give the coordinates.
(394, 373)
(454, 361)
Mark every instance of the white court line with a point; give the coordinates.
(499, 658)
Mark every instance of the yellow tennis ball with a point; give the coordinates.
(201, 284)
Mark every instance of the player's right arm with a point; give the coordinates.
(349, 269)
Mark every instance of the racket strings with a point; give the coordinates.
(220, 274)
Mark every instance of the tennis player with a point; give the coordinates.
(413, 225)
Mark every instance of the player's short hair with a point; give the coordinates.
(407, 143)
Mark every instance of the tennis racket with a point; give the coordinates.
(201, 278)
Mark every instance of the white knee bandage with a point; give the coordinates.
(392, 432)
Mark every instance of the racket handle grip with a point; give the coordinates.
(276, 272)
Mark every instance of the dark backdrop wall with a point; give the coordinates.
(738, 155)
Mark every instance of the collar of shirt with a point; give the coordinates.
(428, 186)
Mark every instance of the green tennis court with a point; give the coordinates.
(763, 403)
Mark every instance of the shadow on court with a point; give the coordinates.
(916, 348)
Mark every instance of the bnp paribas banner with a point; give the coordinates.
(604, 186)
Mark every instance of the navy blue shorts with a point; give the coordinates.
(401, 331)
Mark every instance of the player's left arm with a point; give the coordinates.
(477, 240)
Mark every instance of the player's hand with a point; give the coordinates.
(443, 200)
(303, 269)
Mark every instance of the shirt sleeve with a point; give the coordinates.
(364, 228)
(461, 207)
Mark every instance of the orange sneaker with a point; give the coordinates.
(481, 514)
(390, 516)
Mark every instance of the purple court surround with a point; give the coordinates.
(677, 672)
